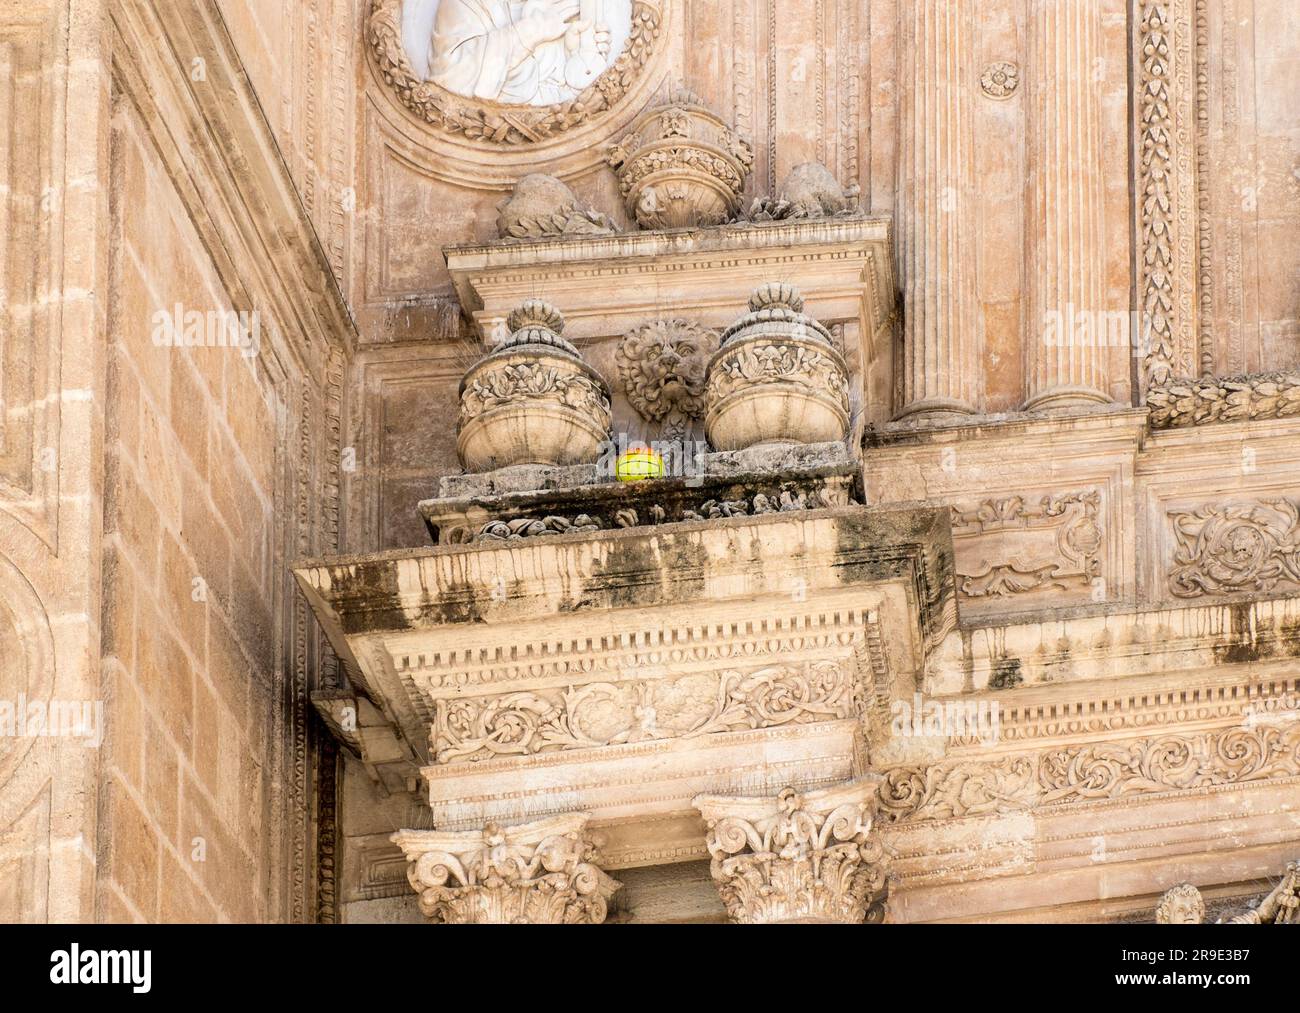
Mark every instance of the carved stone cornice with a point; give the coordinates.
(807, 857)
(1224, 399)
(534, 873)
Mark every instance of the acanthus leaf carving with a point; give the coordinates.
(535, 873)
(1228, 549)
(604, 713)
(797, 857)
(1092, 772)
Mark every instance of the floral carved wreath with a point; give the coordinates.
(506, 125)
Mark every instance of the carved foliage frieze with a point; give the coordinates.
(1231, 548)
(603, 713)
(1089, 773)
(1225, 399)
(1162, 85)
(774, 500)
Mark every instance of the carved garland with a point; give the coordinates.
(1225, 399)
(512, 125)
(531, 382)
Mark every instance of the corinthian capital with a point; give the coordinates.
(797, 857)
(535, 873)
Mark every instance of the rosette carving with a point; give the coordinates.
(536, 873)
(807, 857)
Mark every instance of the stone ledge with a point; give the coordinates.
(560, 500)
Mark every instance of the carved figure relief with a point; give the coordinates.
(663, 366)
(1184, 905)
(457, 63)
(533, 53)
(1236, 548)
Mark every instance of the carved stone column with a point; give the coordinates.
(942, 368)
(534, 873)
(1065, 356)
(797, 858)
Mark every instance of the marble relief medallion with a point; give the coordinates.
(511, 72)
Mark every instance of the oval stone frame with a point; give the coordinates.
(501, 125)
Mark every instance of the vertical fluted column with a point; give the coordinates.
(942, 369)
(1066, 332)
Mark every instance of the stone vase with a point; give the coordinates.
(681, 166)
(532, 400)
(777, 379)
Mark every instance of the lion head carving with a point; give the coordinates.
(664, 365)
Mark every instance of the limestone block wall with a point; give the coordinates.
(189, 519)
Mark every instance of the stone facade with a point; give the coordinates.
(965, 586)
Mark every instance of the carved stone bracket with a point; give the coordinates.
(798, 857)
(535, 873)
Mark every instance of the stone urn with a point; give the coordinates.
(777, 379)
(532, 400)
(681, 166)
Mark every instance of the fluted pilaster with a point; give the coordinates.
(942, 370)
(1066, 332)
(809, 857)
(535, 873)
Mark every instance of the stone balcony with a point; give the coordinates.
(619, 648)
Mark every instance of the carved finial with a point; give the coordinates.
(536, 313)
(536, 322)
(776, 295)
